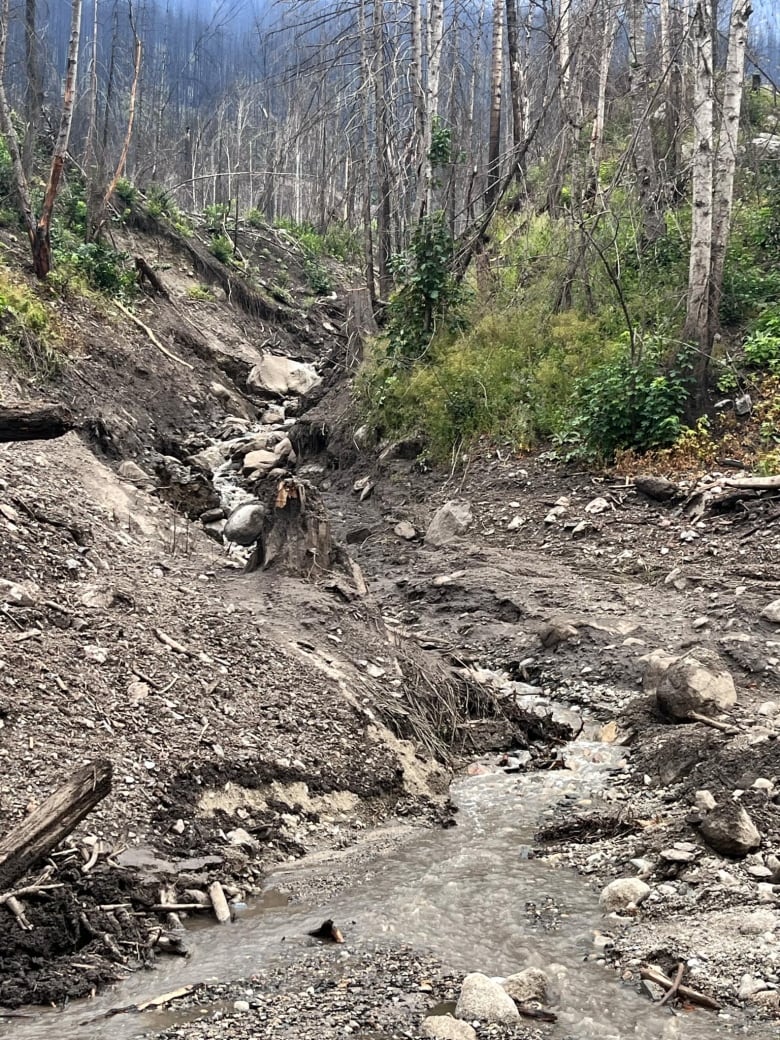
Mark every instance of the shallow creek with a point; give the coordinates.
(469, 894)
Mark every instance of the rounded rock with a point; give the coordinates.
(484, 1000)
(623, 894)
(245, 523)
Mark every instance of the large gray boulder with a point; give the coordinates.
(729, 830)
(275, 374)
(771, 612)
(484, 1000)
(696, 682)
(451, 521)
(623, 894)
(245, 523)
(443, 1027)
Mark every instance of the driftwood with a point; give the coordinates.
(35, 837)
(155, 1002)
(658, 977)
(220, 904)
(26, 421)
(152, 336)
(672, 993)
(756, 483)
(148, 274)
(705, 720)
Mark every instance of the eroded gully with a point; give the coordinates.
(470, 895)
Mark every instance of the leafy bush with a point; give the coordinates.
(126, 191)
(256, 218)
(627, 403)
(216, 215)
(762, 346)
(200, 292)
(102, 267)
(222, 248)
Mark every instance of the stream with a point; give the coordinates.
(470, 895)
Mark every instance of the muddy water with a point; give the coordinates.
(469, 894)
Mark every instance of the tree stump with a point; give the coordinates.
(28, 421)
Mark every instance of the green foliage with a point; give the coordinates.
(429, 297)
(200, 292)
(256, 218)
(126, 191)
(627, 403)
(762, 346)
(216, 215)
(27, 338)
(318, 277)
(341, 242)
(222, 248)
(101, 267)
(7, 183)
(440, 153)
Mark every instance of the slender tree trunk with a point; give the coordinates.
(726, 161)
(34, 86)
(697, 324)
(9, 130)
(517, 87)
(383, 246)
(496, 80)
(644, 159)
(610, 26)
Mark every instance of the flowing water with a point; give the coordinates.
(470, 895)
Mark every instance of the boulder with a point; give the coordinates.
(209, 459)
(245, 523)
(263, 460)
(527, 985)
(698, 681)
(623, 894)
(658, 488)
(451, 521)
(275, 374)
(129, 470)
(771, 612)
(484, 1000)
(443, 1027)
(729, 830)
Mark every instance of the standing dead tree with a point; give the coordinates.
(39, 228)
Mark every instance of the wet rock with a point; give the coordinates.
(209, 459)
(771, 612)
(405, 530)
(212, 516)
(527, 985)
(697, 681)
(443, 1027)
(658, 488)
(484, 1000)
(729, 830)
(451, 521)
(556, 631)
(623, 894)
(245, 523)
(282, 376)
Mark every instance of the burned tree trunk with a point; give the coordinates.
(33, 422)
(297, 537)
(35, 837)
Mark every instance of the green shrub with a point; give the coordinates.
(222, 248)
(200, 292)
(126, 191)
(216, 215)
(627, 403)
(102, 267)
(762, 346)
(256, 218)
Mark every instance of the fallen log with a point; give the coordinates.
(658, 977)
(218, 901)
(27, 421)
(45, 827)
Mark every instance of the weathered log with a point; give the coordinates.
(218, 901)
(35, 837)
(27, 421)
(692, 995)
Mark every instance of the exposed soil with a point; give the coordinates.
(253, 718)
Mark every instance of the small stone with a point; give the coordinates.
(757, 923)
(704, 801)
(771, 612)
(749, 986)
(129, 470)
(598, 505)
(451, 521)
(405, 530)
(98, 654)
(442, 1027)
(623, 894)
(178, 827)
(515, 523)
(241, 1005)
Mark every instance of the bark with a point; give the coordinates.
(697, 323)
(24, 421)
(518, 90)
(383, 245)
(726, 161)
(34, 86)
(610, 27)
(496, 79)
(9, 130)
(38, 834)
(644, 159)
(41, 240)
